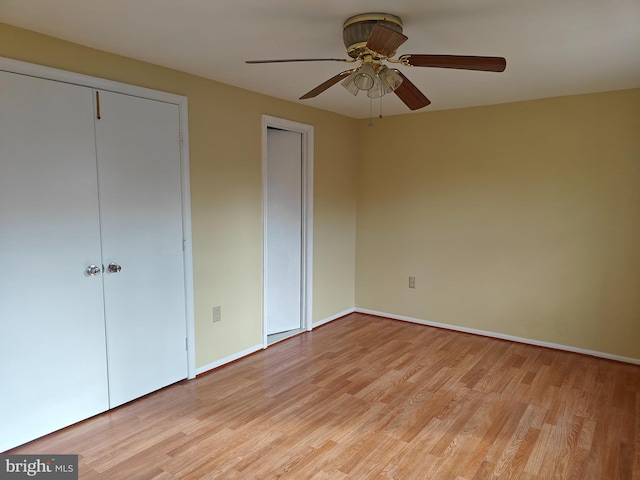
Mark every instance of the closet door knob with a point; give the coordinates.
(93, 270)
(114, 268)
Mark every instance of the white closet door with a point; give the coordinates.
(52, 342)
(141, 217)
(283, 252)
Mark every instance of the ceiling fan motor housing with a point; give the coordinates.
(357, 29)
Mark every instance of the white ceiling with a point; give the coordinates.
(552, 47)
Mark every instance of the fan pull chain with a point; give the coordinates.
(380, 116)
(370, 111)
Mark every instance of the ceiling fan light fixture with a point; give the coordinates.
(350, 84)
(389, 78)
(378, 89)
(365, 77)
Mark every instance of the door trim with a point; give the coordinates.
(307, 217)
(34, 70)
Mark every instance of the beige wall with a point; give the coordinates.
(226, 189)
(521, 219)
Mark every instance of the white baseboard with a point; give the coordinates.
(502, 336)
(485, 333)
(333, 317)
(255, 348)
(229, 359)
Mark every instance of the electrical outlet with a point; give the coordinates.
(217, 314)
(412, 282)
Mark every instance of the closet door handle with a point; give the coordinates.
(114, 268)
(93, 270)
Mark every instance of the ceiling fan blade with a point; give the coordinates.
(410, 95)
(385, 41)
(462, 62)
(325, 85)
(285, 60)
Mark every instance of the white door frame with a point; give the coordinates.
(16, 66)
(307, 217)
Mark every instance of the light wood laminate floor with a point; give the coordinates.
(371, 398)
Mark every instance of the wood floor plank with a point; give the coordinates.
(371, 398)
(636, 442)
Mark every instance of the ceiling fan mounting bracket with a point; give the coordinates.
(357, 29)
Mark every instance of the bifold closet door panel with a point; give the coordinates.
(139, 175)
(52, 338)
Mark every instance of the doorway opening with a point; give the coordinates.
(287, 166)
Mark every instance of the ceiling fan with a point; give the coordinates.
(372, 39)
